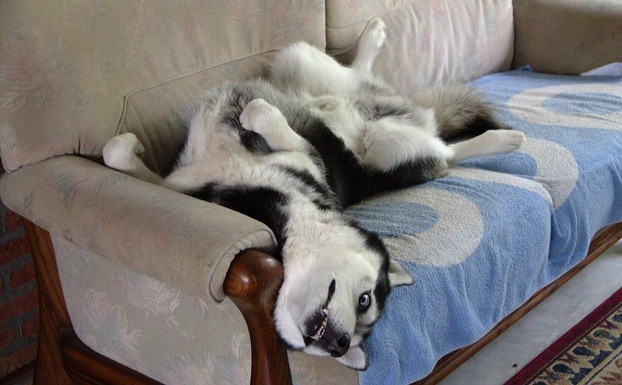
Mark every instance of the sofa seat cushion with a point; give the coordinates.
(482, 240)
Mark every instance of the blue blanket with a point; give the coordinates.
(482, 240)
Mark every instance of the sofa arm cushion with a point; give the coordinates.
(567, 36)
(179, 240)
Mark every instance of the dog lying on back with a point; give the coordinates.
(293, 151)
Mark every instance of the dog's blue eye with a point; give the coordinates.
(364, 302)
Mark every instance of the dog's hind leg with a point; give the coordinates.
(488, 143)
(266, 120)
(400, 155)
(304, 68)
(370, 42)
(388, 143)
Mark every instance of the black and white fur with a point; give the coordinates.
(293, 151)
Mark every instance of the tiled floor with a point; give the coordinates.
(502, 358)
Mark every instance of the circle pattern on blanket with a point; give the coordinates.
(581, 104)
(448, 241)
(513, 163)
(549, 105)
(390, 220)
(501, 178)
(557, 169)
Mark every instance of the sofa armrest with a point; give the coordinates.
(567, 37)
(176, 239)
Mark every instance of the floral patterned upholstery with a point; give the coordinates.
(67, 67)
(177, 239)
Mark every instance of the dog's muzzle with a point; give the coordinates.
(339, 347)
(322, 329)
(335, 344)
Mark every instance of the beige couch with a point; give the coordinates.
(142, 268)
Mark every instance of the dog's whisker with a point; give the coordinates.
(331, 291)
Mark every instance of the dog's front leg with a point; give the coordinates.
(266, 120)
(123, 153)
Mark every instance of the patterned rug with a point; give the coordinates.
(588, 354)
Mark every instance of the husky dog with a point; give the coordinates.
(291, 152)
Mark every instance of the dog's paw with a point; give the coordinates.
(375, 35)
(261, 117)
(506, 140)
(121, 150)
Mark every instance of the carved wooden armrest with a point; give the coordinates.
(252, 283)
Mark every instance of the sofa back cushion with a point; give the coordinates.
(69, 70)
(428, 42)
(158, 115)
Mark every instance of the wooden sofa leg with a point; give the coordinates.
(252, 283)
(53, 315)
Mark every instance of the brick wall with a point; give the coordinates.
(19, 315)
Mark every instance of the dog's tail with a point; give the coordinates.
(461, 111)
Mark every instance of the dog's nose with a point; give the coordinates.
(340, 347)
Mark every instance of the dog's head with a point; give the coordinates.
(331, 298)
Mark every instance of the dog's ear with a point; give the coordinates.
(355, 358)
(398, 275)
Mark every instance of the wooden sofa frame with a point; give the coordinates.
(252, 283)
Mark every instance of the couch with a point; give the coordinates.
(139, 284)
